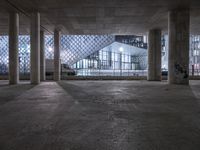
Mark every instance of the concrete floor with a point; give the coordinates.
(100, 115)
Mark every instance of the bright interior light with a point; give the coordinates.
(121, 49)
(50, 49)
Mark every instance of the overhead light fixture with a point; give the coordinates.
(50, 49)
(121, 49)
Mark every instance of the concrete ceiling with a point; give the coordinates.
(98, 16)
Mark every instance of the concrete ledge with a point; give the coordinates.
(194, 78)
(21, 77)
(103, 78)
(3, 77)
(27, 77)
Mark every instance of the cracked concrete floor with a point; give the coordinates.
(100, 115)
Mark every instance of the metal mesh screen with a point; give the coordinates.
(77, 47)
(142, 60)
(24, 54)
(49, 47)
(3, 54)
(73, 49)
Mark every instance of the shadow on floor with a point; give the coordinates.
(10, 92)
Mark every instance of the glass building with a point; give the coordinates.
(195, 55)
(97, 55)
(116, 59)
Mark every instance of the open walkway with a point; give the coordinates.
(100, 115)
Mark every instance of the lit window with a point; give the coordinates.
(196, 53)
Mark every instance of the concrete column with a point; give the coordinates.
(42, 58)
(178, 63)
(35, 48)
(154, 55)
(13, 48)
(56, 55)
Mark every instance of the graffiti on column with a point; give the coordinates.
(181, 70)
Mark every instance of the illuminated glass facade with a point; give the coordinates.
(97, 54)
(117, 59)
(195, 55)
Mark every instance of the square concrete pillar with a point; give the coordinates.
(154, 55)
(35, 48)
(42, 57)
(178, 63)
(13, 48)
(57, 55)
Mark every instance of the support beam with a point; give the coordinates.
(179, 25)
(42, 57)
(35, 48)
(154, 55)
(57, 55)
(13, 48)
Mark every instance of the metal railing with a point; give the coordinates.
(104, 72)
(194, 72)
